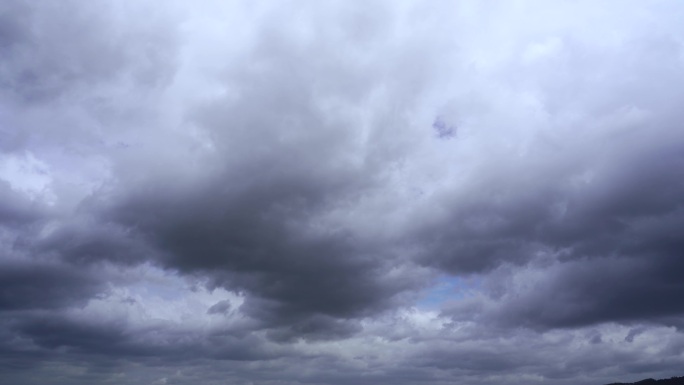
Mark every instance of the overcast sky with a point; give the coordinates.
(341, 192)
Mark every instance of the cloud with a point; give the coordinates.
(263, 193)
(15, 209)
(44, 286)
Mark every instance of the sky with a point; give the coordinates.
(336, 192)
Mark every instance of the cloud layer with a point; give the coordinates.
(262, 193)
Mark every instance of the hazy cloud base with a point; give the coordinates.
(335, 193)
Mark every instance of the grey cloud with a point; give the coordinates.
(252, 221)
(473, 361)
(248, 241)
(44, 286)
(16, 209)
(605, 290)
(634, 333)
(253, 193)
(60, 332)
(586, 211)
(103, 340)
(83, 241)
(220, 307)
(37, 68)
(616, 235)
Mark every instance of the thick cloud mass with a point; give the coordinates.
(335, 193)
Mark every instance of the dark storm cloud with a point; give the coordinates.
(45, 335)
(250, 221)
(580, 189)
(613, 214)
(59, 332)
(82, 242)
(40, 286)
(576, 294)
(605, 210)
(255, 240)
(251, 224)
(616, 237)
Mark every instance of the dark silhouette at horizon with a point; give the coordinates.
(651, 381)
